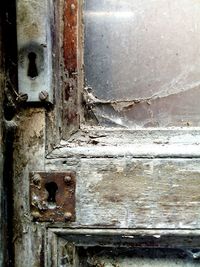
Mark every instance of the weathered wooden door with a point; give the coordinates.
(107, 142)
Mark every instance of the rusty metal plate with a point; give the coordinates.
(52, 196)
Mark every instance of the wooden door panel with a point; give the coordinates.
(136, 193)
(126, 180)
(131, 193)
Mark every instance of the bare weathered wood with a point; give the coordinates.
(54, 113)
(29, 152)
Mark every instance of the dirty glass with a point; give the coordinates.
(142, 62)
(127, 257)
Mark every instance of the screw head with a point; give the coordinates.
(68, 216)
(36, 178)
(43, 95)
(67, 179)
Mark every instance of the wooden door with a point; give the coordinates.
(106, 158)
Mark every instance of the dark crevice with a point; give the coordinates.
(9, 54)
(8, 194)
(10, 47)
(32, 67)
(51, 188)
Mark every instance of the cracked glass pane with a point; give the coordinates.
(142, 62)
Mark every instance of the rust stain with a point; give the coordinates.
(52, 196)
(71, 117)
(70, 36)
(70, 54)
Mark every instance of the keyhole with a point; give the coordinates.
(52, 188)
(32, 67)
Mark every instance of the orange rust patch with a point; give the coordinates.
(52, 196)
(70, 36)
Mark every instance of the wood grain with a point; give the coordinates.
(135, 193)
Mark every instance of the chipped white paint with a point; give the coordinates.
(126, 143)
(137, 151)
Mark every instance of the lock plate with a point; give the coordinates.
(35, 54)
(52, 196)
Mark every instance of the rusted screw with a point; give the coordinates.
(36, 215)
(43, 95)
(68, 216)
(67, 179)
(36, 178)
